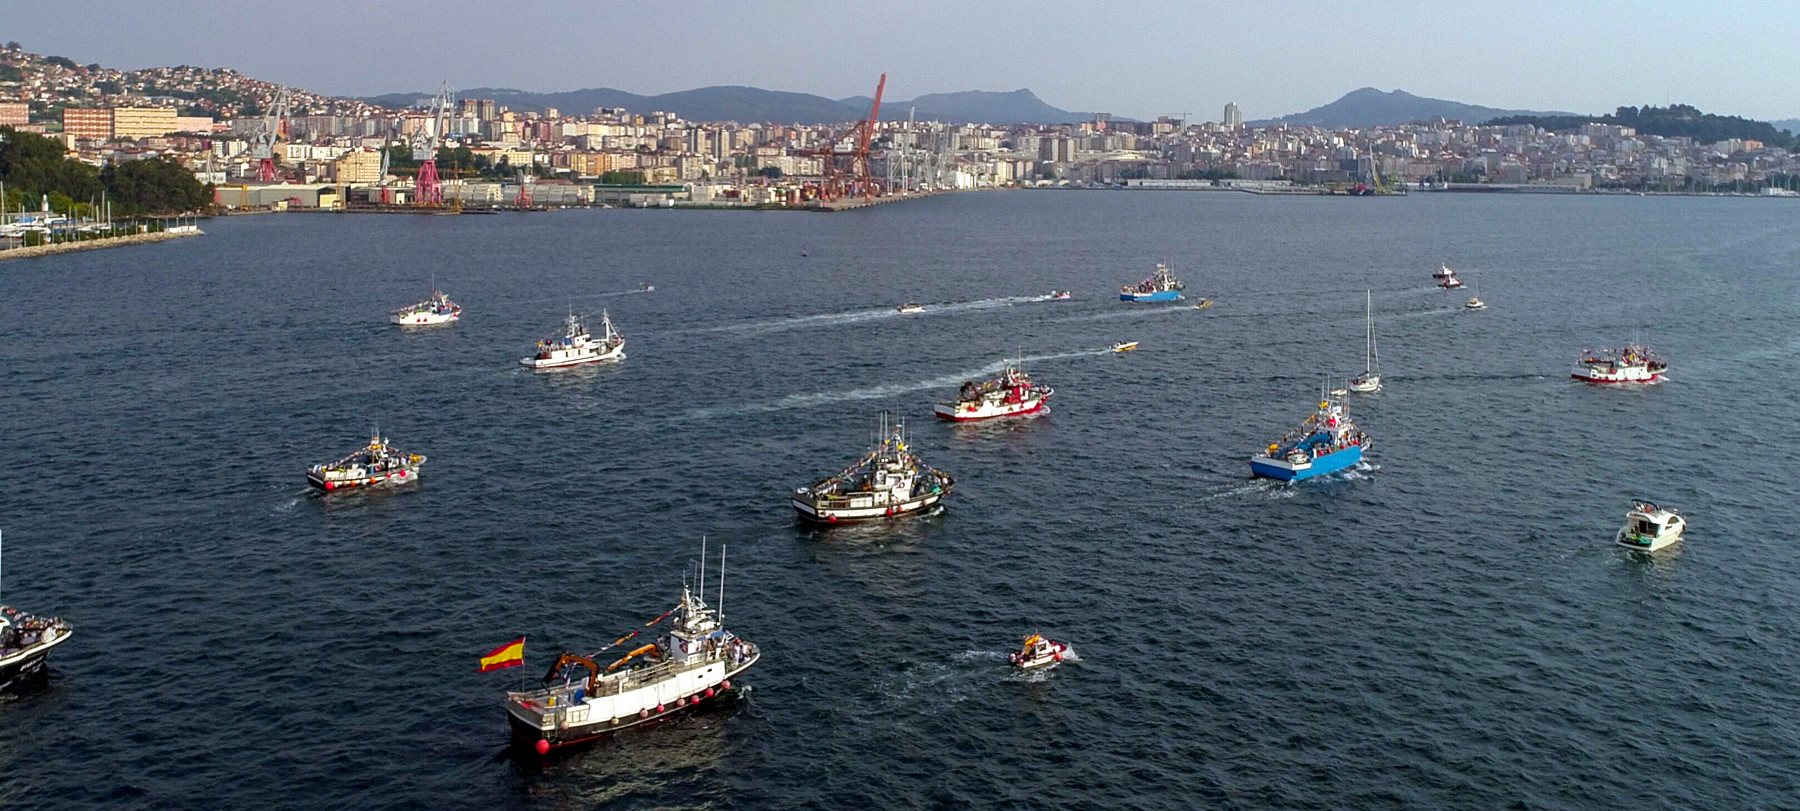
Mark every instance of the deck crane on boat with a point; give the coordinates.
(263, 147)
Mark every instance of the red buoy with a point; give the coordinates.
(659, 708)
(681, 702)
(643, 714)
(1059, 656)
(831, 518)
(709, 692)
(725, 684)
(543, 747)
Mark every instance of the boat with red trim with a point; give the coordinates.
(888, 482)
(1009, 394)
(695, 663)
(1038, 652)
(438, 309)
(1632, 363)
(374, 463)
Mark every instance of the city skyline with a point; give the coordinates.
(1271, 59)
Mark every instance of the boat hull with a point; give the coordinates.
(674, 697)
(1639, 543)
(422, 319)
(1618, 378)
(617, 353)
(31, 663)
(849, 515)
(391, 477)
(1284, 470)
(956, 413)
(1160, 295)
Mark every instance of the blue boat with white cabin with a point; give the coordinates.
(1327, 442)
(1161, 286)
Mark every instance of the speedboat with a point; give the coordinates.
(1037, 652)
(1629, 364)
(1203, 304)
(374, 463)
(1061, 295)
(1124, 346)
(888, 482)
(649, 288)
(575, 346)
(1010, 393)
(910, 307)
(438, 309)
(1370, 379)
(25, 643)
(1649, 527)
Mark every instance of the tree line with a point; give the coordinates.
(33, 167)
(1673, 121)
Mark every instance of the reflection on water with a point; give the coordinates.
(673, 757)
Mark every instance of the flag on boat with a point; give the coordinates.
(511, 654)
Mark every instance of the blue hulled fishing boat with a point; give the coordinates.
(1161, 286)
(1326, 442)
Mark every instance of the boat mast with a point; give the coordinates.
(719, 610)
(703, 567)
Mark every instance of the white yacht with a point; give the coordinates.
(1649, 527)
(576, 346)
(1370, 379)
(1475, 302)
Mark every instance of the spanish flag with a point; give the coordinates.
(511, 654)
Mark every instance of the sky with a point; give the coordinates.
(1133, 59)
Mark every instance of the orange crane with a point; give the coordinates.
(848, 173)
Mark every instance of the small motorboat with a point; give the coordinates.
(1649, 527)
(1475, 303)
(649, 288)
(1037, 652)
(909, 308)
(1203, 304)
(1061, 295)
(1124, 346)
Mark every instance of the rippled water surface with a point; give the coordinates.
(1446, 626)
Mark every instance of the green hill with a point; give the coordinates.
(1673, 121)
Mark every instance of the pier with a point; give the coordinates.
(29, 251)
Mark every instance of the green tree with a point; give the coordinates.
(769, 172)
(624, 178)
(32, 166)
(154, 186)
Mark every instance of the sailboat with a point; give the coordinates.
(1370, 379)
(1475, 302)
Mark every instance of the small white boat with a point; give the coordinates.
(438, 309)
(1649, 527)
(1370, 379)
(1475, 302)
(1061, 295)
(649, 288)
(910, 307)
(575, 346)
(1037, 652)
(1124, 346)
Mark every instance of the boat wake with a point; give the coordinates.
(587, 296)
(1137, 311)
(813, 399)
(860, 316)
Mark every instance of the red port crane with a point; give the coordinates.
(847, 173)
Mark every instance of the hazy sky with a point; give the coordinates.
(1133, 59)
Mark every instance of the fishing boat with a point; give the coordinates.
(1008, 394)
(25, 644)
(1037, 652)
(1446, 278)
(696, 662)
(1628, 364)
(910, 308)
(1475, 302)
(575, 346)
(1061, 295)
(1124, 346)
(1327, 442)
(438, 309)
(1370, 379)
(374, 463)
(888, 482)
(1649, 527)
(1161, 286)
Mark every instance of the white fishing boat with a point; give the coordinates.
(1629, 364)
(1038, 652)
(25, 644)
(695, 663)
(1649, 527)
(438, 309)
(575, 346)
(888, 482)
(374, 463)
(1475, 302)
(1370, 379)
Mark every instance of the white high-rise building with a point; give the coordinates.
(1234, 117)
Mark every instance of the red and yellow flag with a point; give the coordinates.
(511, 654)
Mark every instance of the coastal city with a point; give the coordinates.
(259, 146)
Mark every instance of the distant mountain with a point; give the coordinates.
(1369, 107)
(748, 104)
(1792, 125)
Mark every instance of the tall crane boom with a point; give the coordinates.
(425, 142)
(264, 145)
(868, 129)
